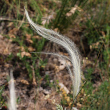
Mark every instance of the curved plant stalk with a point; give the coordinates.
(68, 45)
(55, 54)
(12, 100)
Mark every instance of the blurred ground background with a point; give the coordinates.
(40, 79)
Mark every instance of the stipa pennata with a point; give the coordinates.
(68, 45)
(12, 100)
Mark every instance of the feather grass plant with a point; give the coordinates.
(12, 100)
(68, 45)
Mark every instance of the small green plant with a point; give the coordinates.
(100, 99)
(61, 21)
(59, 107)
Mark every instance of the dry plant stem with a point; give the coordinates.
(12, 100)
(21, 23)
(68, 45)
(33, 74)
(12, 20)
